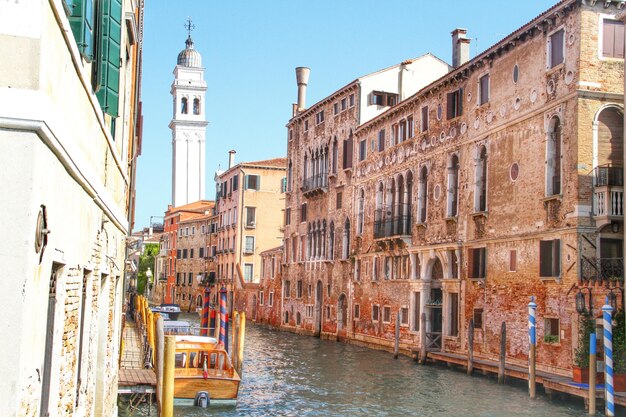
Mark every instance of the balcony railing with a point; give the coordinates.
(608, 195)
(602, 269)
(315, 183)
(388, 225)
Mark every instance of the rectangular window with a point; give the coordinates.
(612, 38)
(404, 316)
(327, 312)
(424, 125)
(191, 253)
(253, 182)
(551, 333)
(271, 300)
(338, 202)
(478, 259)
(248, 270)
(303, 213)
(513, 260)
(306, 125)
(394, 134)
(351, 100)
(287, 289)
(344, 104)
(381, 140)
(556, 53)
(362, 149)
(455, 104)
(201, 252)
(348, 150)
(454, 314)
(357, 311)
(409, 126)
(249, 245)
(250, 216)
(261, 298)
(288, 216)
(375, 312)
(178, 254)
(184, 253)
(483, 88)
(190, 278)
(386, 314)
(319, 117)
(299, 289)
(336, 108)
(235, 182)
(550, 258)
(478, 318)
(380, 98)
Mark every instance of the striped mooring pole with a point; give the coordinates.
(609, 392)
(532, 336)
(204, 327)
(223, 319)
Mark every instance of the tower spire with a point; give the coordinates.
(189, 26)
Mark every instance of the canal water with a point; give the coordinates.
(290, 375)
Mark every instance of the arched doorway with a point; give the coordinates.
(342, 312)
(434, 306)
(318, 308)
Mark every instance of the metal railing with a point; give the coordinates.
(602, 269)
(388, 225)
(315, 182)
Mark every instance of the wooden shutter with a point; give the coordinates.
(424, 118)
(545, 258)
(459, 103)
(556, 48)
(608, 38)
(619, 40)
(556, 257)
(82, 23)
(471, 262)
(108, 67)
(450, 106)
(610, 137)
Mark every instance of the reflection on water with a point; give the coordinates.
(290, 375)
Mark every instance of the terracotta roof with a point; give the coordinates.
(276, 249)
(276, 162)
(196, 206)
(187, 217)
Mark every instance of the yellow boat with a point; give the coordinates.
(203, 373)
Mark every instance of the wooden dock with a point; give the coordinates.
(133, 377)
(551, 382)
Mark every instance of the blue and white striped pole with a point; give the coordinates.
(609, 392)
(532, 336)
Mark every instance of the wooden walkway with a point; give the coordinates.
(133, 377)
(551, 382)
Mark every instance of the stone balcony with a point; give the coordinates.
(315, 184)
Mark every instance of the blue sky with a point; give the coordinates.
(250, 49)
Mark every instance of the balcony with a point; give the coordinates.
(390, 226)
(315, 184)
(608, 195)
(602, 269)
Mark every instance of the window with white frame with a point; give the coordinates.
(375, 312)
(248, 271)
(249, 245)
(550, 258)
(386, 314)
(483, 89)
(271, 299)
(556, 48)
(404, 316)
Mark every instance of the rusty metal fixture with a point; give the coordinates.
(580, 302)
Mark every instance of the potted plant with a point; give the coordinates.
(580, 370)
(619, 351)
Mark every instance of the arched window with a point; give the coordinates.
(361, 213)
(553, 157)
(334, 156)
(346, 239)
(453, 186)
(480, 193)
(422, 197)
(331, 241)
(183, 105)
(289, 175)
(196, 106)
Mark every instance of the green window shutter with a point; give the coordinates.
(81, 19)
(109, 56)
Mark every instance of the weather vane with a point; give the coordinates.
(189, 26)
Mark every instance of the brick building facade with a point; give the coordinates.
(498, 181)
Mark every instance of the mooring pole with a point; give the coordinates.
(470, 347)
(609, 392)
(233, 354)
(396, 347)
(168, 376)
(160, 345)
(501, 368)
(592, 374)
(240, 344)
(423, 351)
(532, 335)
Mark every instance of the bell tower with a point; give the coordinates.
(188, 125)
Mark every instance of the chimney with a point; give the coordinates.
(302, 77)
(460, 47)
(231, 158)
